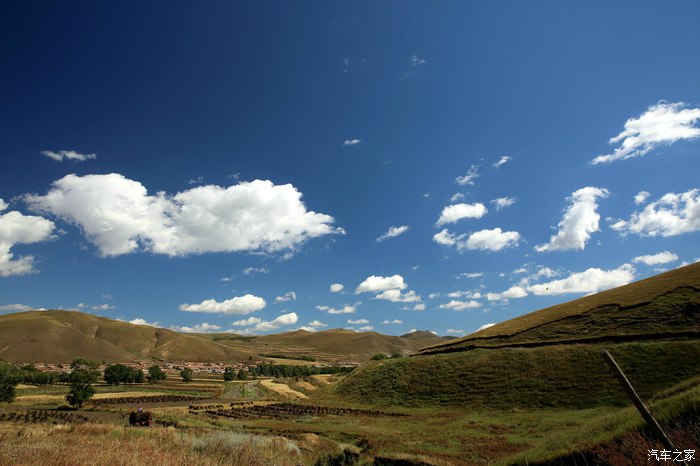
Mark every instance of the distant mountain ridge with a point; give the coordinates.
(57, 336)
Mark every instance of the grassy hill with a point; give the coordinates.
(60, 336)
(551, 358)
(327, 345)
(663, 306)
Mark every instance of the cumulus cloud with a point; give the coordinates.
(204, 327)
(247, 322)
(468, 179)
(15, 307)
(485, 326)
(336, 288)
(672, 215)
(502, 161)
(656, 259)
(68, 155)
(641, 197)
(503, 202)
(239, 305)
(452, 331)
(290, 296)
(580, 220)
(512, 292)
(3, 205)
(392, 322)
(366, 328)
(255, 270)
(375, 283)
(266, 326)
(456, 212)
(484, 240)
(395, 296)
(16, 228)
(316, 324)
(419, 307)
(590, 281)
(456, 305)
(358, 321)
(351, 142)
(393, 232)
(346, 309)
(662, 124)
(140, 321)
(118, 216)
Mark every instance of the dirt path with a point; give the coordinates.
(283, 390)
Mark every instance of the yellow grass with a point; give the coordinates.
(283, 389)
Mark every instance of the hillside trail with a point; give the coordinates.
(283, 390)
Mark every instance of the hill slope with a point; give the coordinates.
(551, 358)
(61, 336)
(666, 305)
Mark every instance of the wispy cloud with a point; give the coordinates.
(502, 161)
(393, 232)
(62, 155)
(290, 296)
(662, 124)
(351, 142)
(503, 202)
(468, 179)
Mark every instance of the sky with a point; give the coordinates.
(262, 167)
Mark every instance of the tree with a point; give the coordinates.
(8, 382)
(156, 374)
(83, 374)
(186, 374)
(228, 374)
(242, 375)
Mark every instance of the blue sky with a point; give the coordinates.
(451, 165)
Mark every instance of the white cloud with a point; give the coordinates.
(266, 326)
(590, 281)
(3, 205)
(512, 292)
(655, 259)
(452, 331)
(351, 142)
(456, 305)
(102, 307)
(199, 328)
(417, 60)
(457, 197)
(240, 305)
(118, 216)
(419, 307)
(662, 124)
(580, 220)
(15, 307)
(672, 215)
(139, 321)
(196, 180)
(502, 161)
(336, 288)
(485, 240)
(16, 228)
(247, 322)
(470, 275)
(68, 155)
(641, 197)
(255, 270)
(503, 202)
(375, 283)
(290, 296)
(317, 324)
(485, 326)
(358, 321)
(392, 322)
(468, 179)
(346, 309)
(366, 328)
(393, 232)
(395, 296)
(456, 212)
(492, 240)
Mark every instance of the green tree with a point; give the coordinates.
(228, 374)
(156, 374)
(242, 375)
(83, 374)
(186, 374)
(8, 382)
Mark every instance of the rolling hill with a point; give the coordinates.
(551, 358)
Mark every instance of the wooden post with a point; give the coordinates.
(638, 403)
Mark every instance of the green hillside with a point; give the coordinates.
(551, 358)
(60, 336)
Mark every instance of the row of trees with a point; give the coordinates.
(281, 370)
